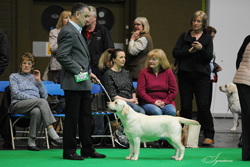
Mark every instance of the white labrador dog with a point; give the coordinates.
(233, 102)
(142, 128)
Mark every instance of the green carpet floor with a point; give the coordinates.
(149, 157)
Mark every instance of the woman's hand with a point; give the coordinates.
(197, 45)
(160, 103)
(135, 35)
(192, 50)
(37, 76)
(134, 100)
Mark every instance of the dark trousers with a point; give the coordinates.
(244, 96)
(210, 101)
(199, 85)
(77, 116)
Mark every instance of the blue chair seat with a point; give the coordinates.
(3, 85)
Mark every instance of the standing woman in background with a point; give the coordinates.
(52, 70)
(242, 81)
(194, 50)
(139, 45)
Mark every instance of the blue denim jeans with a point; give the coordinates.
(152, 109)
(136, 107)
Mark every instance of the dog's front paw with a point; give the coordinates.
(233, 129)
(178, 159)
(134, 159)
(174, 157)
(128, 157)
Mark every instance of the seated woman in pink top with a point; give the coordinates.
(157, 87)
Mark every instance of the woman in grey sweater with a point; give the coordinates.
(28, 97)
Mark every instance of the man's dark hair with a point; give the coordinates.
(78, 7)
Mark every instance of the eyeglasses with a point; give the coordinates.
(29, 63)
(198, 21)
(153, 59)
(137, 24)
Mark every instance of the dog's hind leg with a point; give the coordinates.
(182, 149)
(176, 151)
(137, 142)
(175, 141)
(235, 121)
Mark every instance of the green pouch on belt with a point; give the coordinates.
(82, 77)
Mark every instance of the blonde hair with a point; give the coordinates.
(59, 24)
(203, 17)
(144, 22)
(105, 57)
(159, 54)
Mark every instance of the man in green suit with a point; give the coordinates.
(73, 55)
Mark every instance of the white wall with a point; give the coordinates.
(231, 19)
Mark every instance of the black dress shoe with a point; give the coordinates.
(56, 142)
(73, 156)
(95, 155)
(33, 148)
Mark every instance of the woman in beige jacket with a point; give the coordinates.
(52, 71)
(242, 80)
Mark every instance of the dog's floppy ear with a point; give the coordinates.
(125, 109)
(232, 89)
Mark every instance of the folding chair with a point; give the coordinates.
(98, 89)
(55, 90)
(12, 125)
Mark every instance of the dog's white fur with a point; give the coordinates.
(142, 128)
(233, 102)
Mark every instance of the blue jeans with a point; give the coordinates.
(152, 109)
(136, 107)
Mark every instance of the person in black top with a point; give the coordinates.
(98, 39)
(119, 85)
(194, 50)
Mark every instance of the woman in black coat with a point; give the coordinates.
(194, 51)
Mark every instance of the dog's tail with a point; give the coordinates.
(187, 121)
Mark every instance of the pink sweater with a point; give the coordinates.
(161, 87)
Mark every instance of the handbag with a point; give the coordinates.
(190, 136)
(175, 66)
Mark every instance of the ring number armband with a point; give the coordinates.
(82, 76)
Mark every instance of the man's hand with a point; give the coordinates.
(37, 76)
(93, 78)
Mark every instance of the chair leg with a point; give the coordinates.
(46, 137)
(12, 136)
(61, 124)
(110, 130)
(145, 145)
(111, 135)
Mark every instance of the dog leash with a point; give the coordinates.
(104, 90)
(108, 97)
